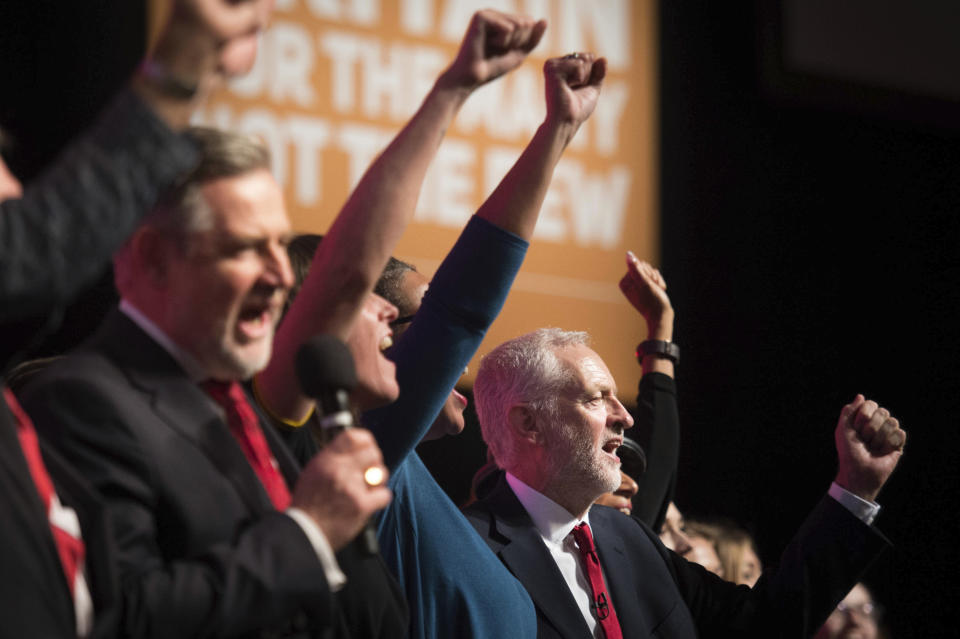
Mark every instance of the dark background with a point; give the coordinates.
(811, 242)
(809, 236)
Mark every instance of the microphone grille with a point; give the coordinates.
(324, 363)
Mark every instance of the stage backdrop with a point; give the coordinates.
(335, 80)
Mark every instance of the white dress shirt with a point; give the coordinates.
(194, 371)
(555, 525)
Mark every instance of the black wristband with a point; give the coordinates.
(659, 348)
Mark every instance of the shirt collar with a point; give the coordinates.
(187, 362)
(553, 521)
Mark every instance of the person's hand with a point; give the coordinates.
(645, 288)
(226, 19)
(869, 445)
(573, 86)
(495, 43)
(204, 37)
(235, 25)
(333, 491)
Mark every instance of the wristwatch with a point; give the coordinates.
(660, 348)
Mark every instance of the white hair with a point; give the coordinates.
(524, 370)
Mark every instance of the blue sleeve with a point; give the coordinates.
(465, 296)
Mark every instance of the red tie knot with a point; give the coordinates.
(224, 392)
(584, 537)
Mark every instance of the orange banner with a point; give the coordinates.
(335, 80)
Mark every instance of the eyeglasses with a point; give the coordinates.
(401, 321)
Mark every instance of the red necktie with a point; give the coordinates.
(602, 605)
(70, 548)
(245, 427)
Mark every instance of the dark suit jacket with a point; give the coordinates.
(201, 551)
(54, 241)
(58, 238)
(34, 596)
(658, 594)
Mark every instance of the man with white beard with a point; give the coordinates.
(549, 413)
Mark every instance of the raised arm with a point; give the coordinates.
(572, 85)
(58, 233)
(657, 419)
(356, 248)
(468, 290)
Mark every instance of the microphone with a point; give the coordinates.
(326, 372)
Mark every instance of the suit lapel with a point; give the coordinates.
(525, 554)
(618, 573)
(181, 404)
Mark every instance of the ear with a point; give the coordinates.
(150, 254)
(524, 425)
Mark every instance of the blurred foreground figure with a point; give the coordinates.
(59, 576)
(855, 617)
(218, 531)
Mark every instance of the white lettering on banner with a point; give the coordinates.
(509, 109)
(455, 15)
(283, 66)
(309, 137)
(582, 206)
(496, 162)
(343, 49)
(595, 203)
(361, 12)
(606, 118)
(600, 25)
(392, 79)
(426, 63)
(416, 16)
(449, 194)
(292, 62)
(265, 125)
(587, 208)
(362, 143)
(382, 80)
(552, 224)
(575, 25)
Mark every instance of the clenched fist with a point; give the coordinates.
(869, 446)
